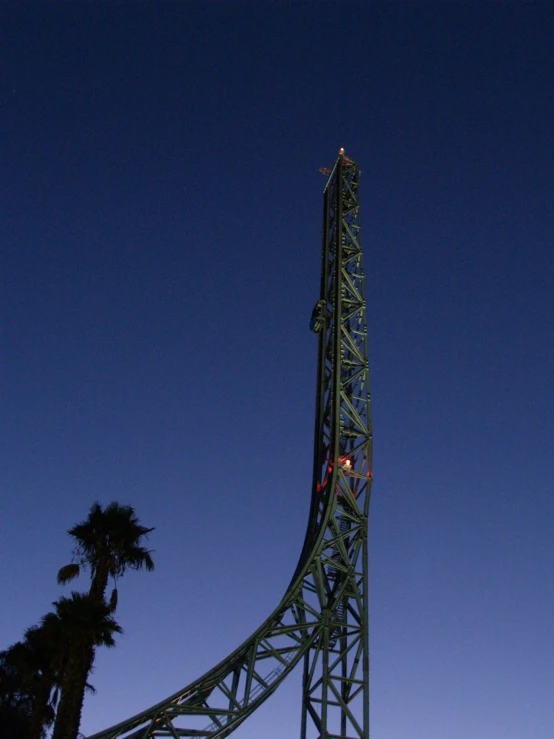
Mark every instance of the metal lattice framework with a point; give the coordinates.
(322, 620)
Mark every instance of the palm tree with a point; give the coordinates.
(108, 542)
(16, 691)
(46, 659)
(86, 623)
(28, 676)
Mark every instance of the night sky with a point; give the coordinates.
(160, 239)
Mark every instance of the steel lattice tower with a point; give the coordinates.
(322, 620)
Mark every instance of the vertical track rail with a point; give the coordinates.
(322, 620)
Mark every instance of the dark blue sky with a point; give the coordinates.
(160, 229)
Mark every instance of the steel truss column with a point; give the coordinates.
(335, 700)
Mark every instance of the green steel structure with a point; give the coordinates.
(322, 620)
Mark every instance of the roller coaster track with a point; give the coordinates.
(322, 620)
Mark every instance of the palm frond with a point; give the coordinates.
(68, 573)
(85, 618)
(113, 600)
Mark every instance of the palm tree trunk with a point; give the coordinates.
(99, 582)
(68, 717)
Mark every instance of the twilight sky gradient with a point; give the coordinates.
(160, 227)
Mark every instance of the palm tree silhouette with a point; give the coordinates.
(86, 623)
(108, 543)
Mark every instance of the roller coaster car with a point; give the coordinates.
(318, 316)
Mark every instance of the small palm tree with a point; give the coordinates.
(86, 623)
(108, 542)
(28, 677)
(46, 658)
(16, 691)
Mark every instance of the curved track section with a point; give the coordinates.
(322, 620)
